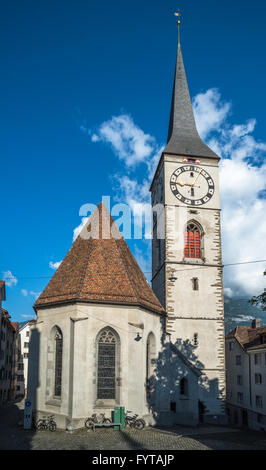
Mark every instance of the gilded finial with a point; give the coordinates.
(178, 14)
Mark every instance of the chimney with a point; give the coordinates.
(255, 323)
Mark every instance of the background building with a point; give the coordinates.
(22, 366)
(9, 352)
(246, 377)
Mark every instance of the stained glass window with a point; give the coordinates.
(106, 364)
(192, 241)
(58, 363)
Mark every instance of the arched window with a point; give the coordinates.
(193, 237)
(107, 352)
(184, 386)
(58, 348)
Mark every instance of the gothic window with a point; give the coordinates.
(58, 363)
(193, 237)
(107, 351)
(184, 387)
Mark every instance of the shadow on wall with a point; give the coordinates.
(177, 390)
(33, 368)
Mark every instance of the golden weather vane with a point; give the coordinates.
(178, 14)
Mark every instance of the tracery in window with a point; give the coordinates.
(106, 384)
(193, 236)
(58, 363)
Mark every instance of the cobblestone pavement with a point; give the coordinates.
(13, 436)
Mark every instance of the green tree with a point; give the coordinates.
(260, 300)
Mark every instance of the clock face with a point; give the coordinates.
(192, 185)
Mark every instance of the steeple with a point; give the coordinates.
(183, 137)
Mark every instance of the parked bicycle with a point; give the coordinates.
(94, 419)
(134, 422)
(45, 423)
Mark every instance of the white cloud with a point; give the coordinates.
(242, 180)
(127, 140)
(78, 229)
(228, 292)
(209, 111)
(54, 265)
(242, 318)
(35, 294)
(9, 279)
(26, 316)
(24, 292)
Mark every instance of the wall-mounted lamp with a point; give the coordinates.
(138, 337)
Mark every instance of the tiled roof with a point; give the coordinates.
(2, 290)
(15, 325)
(100, 269)
(248, 337)
(5, 313)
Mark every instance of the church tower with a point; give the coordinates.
(186, 251)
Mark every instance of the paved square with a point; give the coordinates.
(14, 437)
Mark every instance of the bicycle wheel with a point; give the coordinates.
(107, 421)
(88, 423)
(139, 424)
(52, 427)
(40, 425)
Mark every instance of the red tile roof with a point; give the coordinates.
(15, 325)
(247, 336)
(5, 313)
(100, 269)
(2, 290)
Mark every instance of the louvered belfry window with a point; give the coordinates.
(106, 364)
(192, 241)
(58, 363)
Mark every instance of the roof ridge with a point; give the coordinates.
(126, 267)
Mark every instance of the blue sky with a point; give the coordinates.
(68, 67)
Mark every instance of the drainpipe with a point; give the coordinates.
(249, 370)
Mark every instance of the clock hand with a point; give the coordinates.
(196, 178)
(182, 183)
(192, 187)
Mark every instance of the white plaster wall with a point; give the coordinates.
(190, 311)
(233, 370)
(258, 389)
(89, 319)
(250, 389)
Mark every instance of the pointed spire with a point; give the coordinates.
(183, 137)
